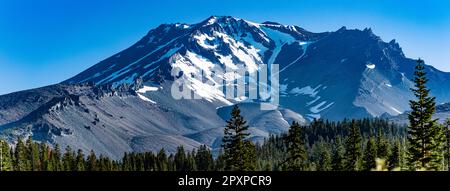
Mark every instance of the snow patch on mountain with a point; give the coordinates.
(313, 101)
(145, 98)
(203, 41)
(396, 110)
(227, 61)
(318, 108)
(370, 66)
(279, 39)
(166, 55)
(248, 55)
(147, 89)
(307, 90)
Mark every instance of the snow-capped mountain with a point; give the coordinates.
(347, 73)
(125, 102)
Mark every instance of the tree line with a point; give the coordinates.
(348, 145)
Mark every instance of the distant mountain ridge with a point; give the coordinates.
(124, 102)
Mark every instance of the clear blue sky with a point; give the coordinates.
(47, 41)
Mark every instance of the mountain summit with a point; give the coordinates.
(333, 75)
(124, 103)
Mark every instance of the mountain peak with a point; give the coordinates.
(343, 28)
(218, 19)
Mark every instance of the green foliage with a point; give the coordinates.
(323, 146)
(370, 154)
(5, 157)
(91, 163)
(395, 159)
(447, 145)
(426, 138)
(80, 162)
(296, 159)
(21, 163)
(322, 154)
(68, 160)
(353, 148)
(204, 159)
(338, 163)
(383, 146)
(239, 152)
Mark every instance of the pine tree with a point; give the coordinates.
(370, 154)
(180, 159)
(426, 137)
(33, 155)
(353, 148)
(190, 164)
(20, 155)
(105, 164)
(5, 157)
(395, 157)
(56, 159)
(248, 156)
(68, 160)
(339, 155)
(149, 161)
(239, 153)
(162, 161)
(204, 159)
(126, 163)
(296, 160)
(170, 163)
(383, 147)
(79, 166)
(219, 163)
(91, 163)
(325, 160)
(447, 149)
(45, 154)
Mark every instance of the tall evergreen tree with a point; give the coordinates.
(33, 155)
(296, 159)
(370, 154)
(80, 162)
(383, 147)
(190, 164)
(56, 159)
(447, 149)
(45, 154)
(339, 155)
(219, 163)
(353, 148)
(20, 155)
(68, 160)
(126, 163)
(162, 161)
(180, 159)
(204, 159)
(426, 138)
(239, 153)
(91, 163)
(325, 160)
(396, 156)
(5, 157)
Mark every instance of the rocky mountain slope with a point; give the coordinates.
(125, 102)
